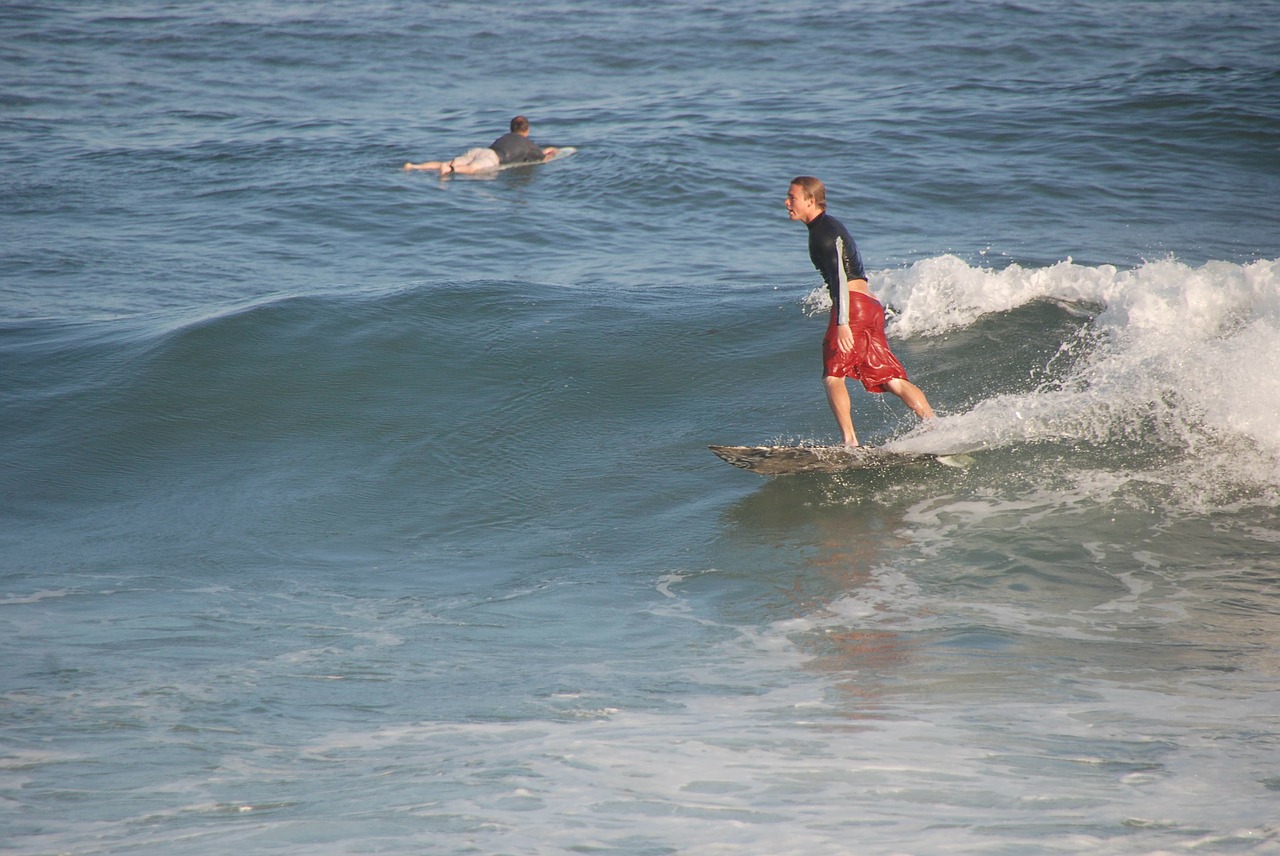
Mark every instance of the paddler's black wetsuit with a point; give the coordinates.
(516, 148)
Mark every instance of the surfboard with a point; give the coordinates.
(561, 152)
(789, 460)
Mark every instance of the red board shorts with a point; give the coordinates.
(870, 361)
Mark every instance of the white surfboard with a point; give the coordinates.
(561, 152)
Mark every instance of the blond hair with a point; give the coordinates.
(813, 188)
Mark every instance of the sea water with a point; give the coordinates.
(345, 509)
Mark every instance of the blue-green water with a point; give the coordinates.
(350, 510)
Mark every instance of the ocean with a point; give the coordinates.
(346, 509)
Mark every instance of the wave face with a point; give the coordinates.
(498, 383)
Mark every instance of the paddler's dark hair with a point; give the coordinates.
(519, 125)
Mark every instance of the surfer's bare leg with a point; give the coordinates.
(841, 408)
(911, 396)
(436, 165)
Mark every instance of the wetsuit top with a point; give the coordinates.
(516, 148)
(836, 257)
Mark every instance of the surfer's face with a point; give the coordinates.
(799, 205)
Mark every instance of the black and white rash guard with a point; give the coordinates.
(836, 257)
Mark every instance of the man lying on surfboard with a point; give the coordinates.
(513, 147)
(854, 345)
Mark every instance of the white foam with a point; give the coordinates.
(943, 293)
(1175, 357)
(33, 597)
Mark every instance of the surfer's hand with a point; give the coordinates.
(844, 338)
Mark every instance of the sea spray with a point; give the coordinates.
(1177, 361)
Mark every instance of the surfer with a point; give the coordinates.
(854, 345)
(510, 148)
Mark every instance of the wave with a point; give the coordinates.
(1164, 368)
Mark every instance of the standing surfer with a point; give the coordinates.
(854, 345)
